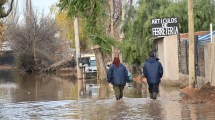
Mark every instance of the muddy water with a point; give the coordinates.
(59, 97)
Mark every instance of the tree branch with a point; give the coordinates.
(9, 10)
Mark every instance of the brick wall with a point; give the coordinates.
(184, 58)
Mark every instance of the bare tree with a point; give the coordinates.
(34, 41)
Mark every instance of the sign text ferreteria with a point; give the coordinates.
(164, 26)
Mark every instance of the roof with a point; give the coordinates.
(157, 38)
(199, 33)
(203, 36)
(185, 35)
(207, 37)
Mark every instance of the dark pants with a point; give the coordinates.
(153, 90)
(118, 91)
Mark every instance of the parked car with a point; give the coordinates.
(91, 68)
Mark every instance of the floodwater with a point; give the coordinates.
(48, 97)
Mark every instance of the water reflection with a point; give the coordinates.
(64, 97)
(66, 109)
(39, 88)
(7, 76)
(156, 111)
(136, 90)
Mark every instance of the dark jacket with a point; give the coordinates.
(153, 70)
(117, 76)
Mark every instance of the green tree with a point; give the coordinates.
(204, 14)
(137, 26)
(94, 13)
(65, 24)
(137, 30)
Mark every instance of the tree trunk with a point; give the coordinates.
(136, 70)
(111, 2)
(101, 69)
(121, 25)
(191, 44)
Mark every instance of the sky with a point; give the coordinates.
(41, 6)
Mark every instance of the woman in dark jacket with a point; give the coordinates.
(117, 76)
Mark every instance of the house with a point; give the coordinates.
(173, 52)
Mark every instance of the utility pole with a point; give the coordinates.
(191, 44)
(122, 22)
(211, 32)
(77, 48)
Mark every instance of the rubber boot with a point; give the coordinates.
(117, 97)
(154, 95)
(120, 96)
(151, 95)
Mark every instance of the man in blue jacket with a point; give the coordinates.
(117, 76)
(153, 71)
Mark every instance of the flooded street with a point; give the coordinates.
(64, 97)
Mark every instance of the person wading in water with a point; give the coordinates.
(117, 76)
(153, 71)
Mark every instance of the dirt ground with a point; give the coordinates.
(205, 94)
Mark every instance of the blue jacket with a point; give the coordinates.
(117, 76)
(153, 70)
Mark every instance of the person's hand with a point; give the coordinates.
(144, 80)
